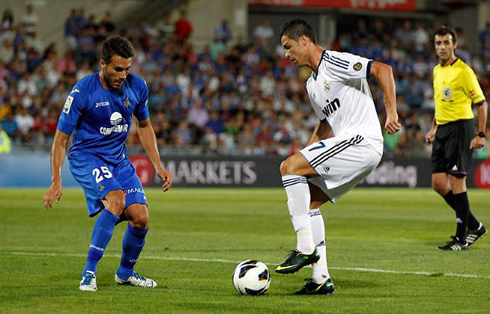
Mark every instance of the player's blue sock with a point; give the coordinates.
(133, 243)
(101, 235)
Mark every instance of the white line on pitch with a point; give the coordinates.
(373, 270)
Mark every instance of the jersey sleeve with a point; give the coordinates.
(73, 108)
(346, 65)
(472, 87)
(141, 110)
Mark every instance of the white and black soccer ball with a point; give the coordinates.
(251, 277)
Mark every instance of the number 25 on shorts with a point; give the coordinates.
(100, 176)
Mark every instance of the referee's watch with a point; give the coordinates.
(480, 134)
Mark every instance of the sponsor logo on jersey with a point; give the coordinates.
(67, 106)
(116, 119)
(102, 104)
(331, 107)
(101, 188)
(357, 66)
(326, 169)
(127, 103)
(326, 86)
(75, 91)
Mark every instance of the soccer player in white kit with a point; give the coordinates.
(328, 167)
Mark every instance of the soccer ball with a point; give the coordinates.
(251, 277)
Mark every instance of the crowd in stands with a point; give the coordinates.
(234, 96)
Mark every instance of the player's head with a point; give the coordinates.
(444, 43)
(297, 37)
(116, 59)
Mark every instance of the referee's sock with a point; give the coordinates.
(473, 223)
(462, 208)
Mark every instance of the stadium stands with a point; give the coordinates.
(232, 97)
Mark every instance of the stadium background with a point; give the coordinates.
(226, 105)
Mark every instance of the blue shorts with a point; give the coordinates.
(98, 178)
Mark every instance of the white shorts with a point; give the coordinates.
(341, 163)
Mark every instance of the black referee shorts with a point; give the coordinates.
(451, 151)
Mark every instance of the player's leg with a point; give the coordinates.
(295, 171)
(320, 282)
(318, 198)
(102, 233)
(133, 243)
(105, 197)
(137, 228)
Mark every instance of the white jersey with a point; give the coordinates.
(340, 94)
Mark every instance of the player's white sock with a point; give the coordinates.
(298, 194)
(320, 269)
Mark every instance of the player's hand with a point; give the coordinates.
(392, 125)
(55, 191)
(477, 142)
(166, 177)
(429, 137)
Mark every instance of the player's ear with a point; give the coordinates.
(102, 63)
(303, 40)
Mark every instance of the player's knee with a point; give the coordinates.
(117, 203)
(287, 166)
(316, 204)
(140, 220)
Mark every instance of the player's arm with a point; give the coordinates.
(479, 142)
(384, 75)
(149, 142)
(58, 152)
(321, 132)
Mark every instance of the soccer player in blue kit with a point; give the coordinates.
(98, 111)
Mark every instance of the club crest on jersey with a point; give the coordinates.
(357, 66)
(326, 86)
(127, 103)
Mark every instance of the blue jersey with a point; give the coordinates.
(100, 119)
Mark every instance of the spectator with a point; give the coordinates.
(7, 23)
(10, 126)
(183, 27)
(71, 30)
(29, 20)
(223, 32)
(264, 32)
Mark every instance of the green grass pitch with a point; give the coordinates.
(197, 236)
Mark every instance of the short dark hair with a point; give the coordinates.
(296, 28)
(116, 46)
(444, 30)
